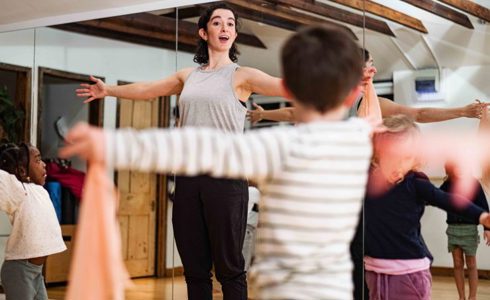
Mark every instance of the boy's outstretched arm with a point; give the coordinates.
(187, 151)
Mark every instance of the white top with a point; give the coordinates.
(35, 228)
(312, 178)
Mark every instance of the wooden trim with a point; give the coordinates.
(177, 271)
(281, 12)
(470, 7)
(384, 12)
(14, 68)
(267, 16)
(341, 15)
(130, 38)
(96, 108)
(447, 271)
(185, 13)
(442, 11)
(23, 93)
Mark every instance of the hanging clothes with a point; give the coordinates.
(69, 177)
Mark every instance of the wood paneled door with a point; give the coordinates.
(138, 195)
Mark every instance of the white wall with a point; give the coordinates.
(461, 85)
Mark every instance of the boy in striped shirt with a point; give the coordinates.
(312, 176)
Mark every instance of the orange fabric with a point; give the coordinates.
(97, 269)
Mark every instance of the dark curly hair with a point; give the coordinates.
(202, 56)
(14, 159)
(365, 54)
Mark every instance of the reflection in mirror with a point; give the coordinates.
(432, 69)
(16, 59)
(117, 51)
(422, 58)
(16, 65)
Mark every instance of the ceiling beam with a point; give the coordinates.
(151, 30)
(279, 15)
(470, 7)
(126, 37)
(339, 14)
(184, 13)
(442, 11)
(385, 12)
(242, 12)
(186, 29)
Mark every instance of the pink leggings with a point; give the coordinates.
(413, 286)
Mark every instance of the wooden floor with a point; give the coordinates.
(161, 289)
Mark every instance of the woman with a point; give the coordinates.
(209, 215)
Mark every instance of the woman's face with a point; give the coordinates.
(37, 168)
(221, 30)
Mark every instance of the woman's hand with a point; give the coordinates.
(255, 115)
(475, 109)
(93, 91)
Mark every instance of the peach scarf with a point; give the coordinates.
(97, 269)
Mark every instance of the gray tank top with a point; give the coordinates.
(209, 100)
(354, 108)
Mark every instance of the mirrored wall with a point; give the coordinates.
(16, 94)
(446, 48)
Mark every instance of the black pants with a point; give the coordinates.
(209, 219)
(361, 291)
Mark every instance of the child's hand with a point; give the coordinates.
(486, 237)
(85, 141)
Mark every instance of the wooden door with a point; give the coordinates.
(138, 196)
(20, 93)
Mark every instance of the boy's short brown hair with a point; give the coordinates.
(320, 66)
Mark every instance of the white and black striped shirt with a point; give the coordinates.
(312, 178)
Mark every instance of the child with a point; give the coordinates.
(397, 260)
(36, 232)
(312, 176)
(463, 238)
